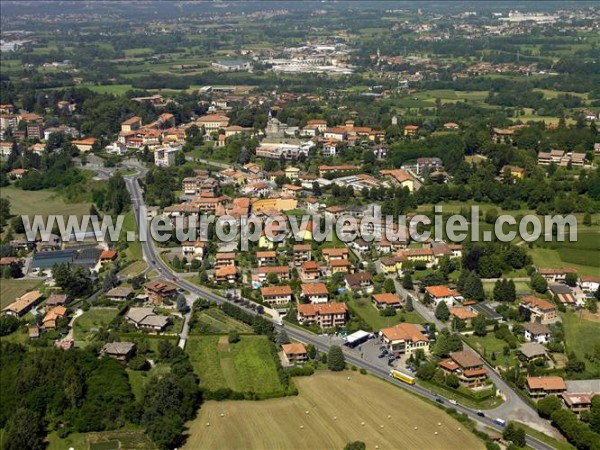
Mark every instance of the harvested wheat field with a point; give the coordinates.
(329, 412)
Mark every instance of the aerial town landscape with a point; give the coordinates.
(337, 225)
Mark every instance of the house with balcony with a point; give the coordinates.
(310, 270)
(313, 293)
(538, 387)
(302, 253)
(387, 300)
(276, 295)
(359, 282)
(282, 273)
(441, 293)
(325, 315)
(467, 366)
(266, 258)
(535, 309)
(294, 353)
(404, 339)
(158, 291)
(536, 332)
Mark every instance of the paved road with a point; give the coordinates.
(322, 343)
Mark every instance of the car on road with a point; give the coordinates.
(480, 413)
(439, 400)
(453, 402)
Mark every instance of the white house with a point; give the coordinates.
(537, 332)
(165, 156)
(441, 294)
(589, 283)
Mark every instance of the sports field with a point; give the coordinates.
(339, 411)
(246, 366)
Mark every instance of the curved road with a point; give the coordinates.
(320, 342)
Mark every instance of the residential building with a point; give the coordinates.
(556, 275)
(332, 254)
(119, 294)
(387, 300)
(84, 145)
(282, 273)
(359, 282)
(266, 258)
(302, 253)
(225, 259)
(294, 353)
(411, 130)
(314, 293)
(537, 310)
(276, 295)
(467, 366)
(292, 173)
(213, 122)
(50, 320)
(578, 403)
(56, 300)
(147, 319)
(532, 351)
(131, 124)
(536, 332)
(35, 131)
(225, 274)
(400, 177)
(589, 283)
(290, 190)
(404, 338)
(165, 156)
(122, 351)
(325, 315)
(441, 294)
(23, 304)
(340, 266)
(159, 290)
(539, 387)
(194, 249)
(310, 270)
(464, 314)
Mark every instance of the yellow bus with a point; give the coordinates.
(402, 377)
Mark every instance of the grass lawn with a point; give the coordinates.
(139, 378)
(42, 202)
(90, 321)
(586, 261)
(116, 89)
(134, 248)
(214, 321)
(129, 439)
(134, 268)
(581, 336)
(521, 287)
(371, 315)
(490, 344)
(11, 289)
(554, 443)
(247, 366)
(340, 410)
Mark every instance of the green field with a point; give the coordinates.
(116, 89)
(581, 336)
(371, 315)
(214, 321)
(247, 366)
(558, 445)
(133, 439)
(490, 344)
(134, 248)
(331, 410)
(134, 268)
(90, 322)
(11, 289)
(582, 255)
(41, 202)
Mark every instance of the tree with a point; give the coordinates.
(407, 281)
(474, 287)
(479, 325)
(356, 445)
(25, 429)
(539, 283)
(547, 405)
(282, 337)
(571, 279)
(452, 381)
(408, 306)
(514, 434)
(389, 285)
(179, 158)
(233, 337)
(441, 311)
(182, 305)
(335, 359)
(587, 219)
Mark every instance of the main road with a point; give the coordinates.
(322, 343)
